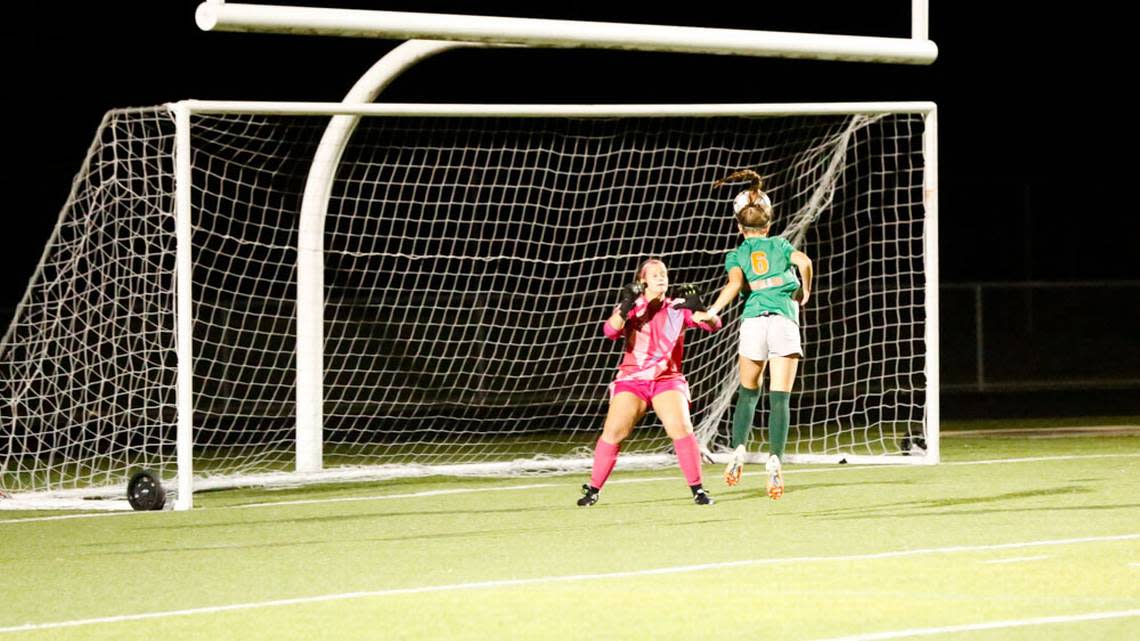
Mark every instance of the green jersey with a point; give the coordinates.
(770, 278)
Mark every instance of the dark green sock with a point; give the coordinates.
(742, 418)
(778, 422)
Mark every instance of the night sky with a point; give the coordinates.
(1029, 188)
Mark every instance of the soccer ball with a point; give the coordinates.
(145, 491)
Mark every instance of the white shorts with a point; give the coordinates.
(763, 337)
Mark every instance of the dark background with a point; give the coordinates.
(1034, 158)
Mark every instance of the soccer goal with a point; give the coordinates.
(467, 257)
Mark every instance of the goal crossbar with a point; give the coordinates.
(357, 23)
(554, 110)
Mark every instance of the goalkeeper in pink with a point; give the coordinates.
(653, 325)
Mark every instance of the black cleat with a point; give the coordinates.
(589, 496)
(701, 497)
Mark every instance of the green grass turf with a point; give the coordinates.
(804, 567)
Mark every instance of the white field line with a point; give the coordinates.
(1056, 432)
(1038, 459)
(992, 625)
(513, 583)
(531, 486)
(65, 517)
(1016, 559)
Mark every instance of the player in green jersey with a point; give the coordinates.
(763, 270)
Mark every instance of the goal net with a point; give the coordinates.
(469, 263)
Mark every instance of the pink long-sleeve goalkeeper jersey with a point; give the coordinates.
(655, 345)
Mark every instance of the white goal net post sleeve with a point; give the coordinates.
(470, 255)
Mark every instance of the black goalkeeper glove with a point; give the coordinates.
(689, 297)
(628, 299)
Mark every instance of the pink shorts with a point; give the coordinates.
(646, 390)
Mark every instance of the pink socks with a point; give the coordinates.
(689, 458)
(605, 456)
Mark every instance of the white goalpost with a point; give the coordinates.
(257, 293)
(468, 254)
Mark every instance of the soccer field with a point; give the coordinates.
(1012, 537)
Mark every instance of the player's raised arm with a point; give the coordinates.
(803, 263)
(691, 302)
(727, 294)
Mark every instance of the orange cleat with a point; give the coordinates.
(775, 478)
(735, 468)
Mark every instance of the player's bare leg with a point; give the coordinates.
(625, 410)
(672, 407)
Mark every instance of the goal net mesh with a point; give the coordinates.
(469, 266)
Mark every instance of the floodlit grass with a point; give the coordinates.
(1009, 531)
